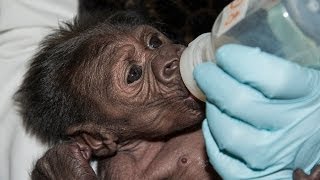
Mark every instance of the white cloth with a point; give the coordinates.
(23, 24)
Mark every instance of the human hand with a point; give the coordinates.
(65, 161)
(263, 114)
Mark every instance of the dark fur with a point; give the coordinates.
(49, 102)
(182, 20)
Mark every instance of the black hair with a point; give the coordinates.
(47, 99)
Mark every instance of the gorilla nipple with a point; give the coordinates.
(183, 161)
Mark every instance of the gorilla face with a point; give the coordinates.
(107, 78)
(146, 91)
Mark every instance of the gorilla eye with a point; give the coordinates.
(154, 42)
(135, 73)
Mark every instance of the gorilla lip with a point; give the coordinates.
(191, 100)
(194, 102)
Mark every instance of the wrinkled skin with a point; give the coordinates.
(65, 161)
(181, 157)
(155, 103)
(172, 159)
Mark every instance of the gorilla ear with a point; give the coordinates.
(101, 147)
(102, 142)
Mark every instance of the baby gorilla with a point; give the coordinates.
(112, 91)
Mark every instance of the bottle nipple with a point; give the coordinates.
(198, 51)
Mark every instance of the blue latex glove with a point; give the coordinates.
(263, 116)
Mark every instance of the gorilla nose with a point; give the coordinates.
(166, 65)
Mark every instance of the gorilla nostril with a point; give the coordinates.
(171, 67)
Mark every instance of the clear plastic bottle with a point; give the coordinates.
(286, 28)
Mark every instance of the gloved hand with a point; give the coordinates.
(263, 114)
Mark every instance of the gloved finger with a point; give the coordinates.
(240, 139)
(230, 168)
(227, 166)
(273, 76)
(236, 99)
(222, 163)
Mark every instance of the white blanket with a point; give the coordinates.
(23, 24)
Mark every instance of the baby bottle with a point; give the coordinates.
(286, 28)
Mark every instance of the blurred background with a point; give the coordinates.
(180, 20)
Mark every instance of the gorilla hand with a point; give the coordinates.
(69, 160)
(298, 174)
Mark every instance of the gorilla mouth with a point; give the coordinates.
(191, 101)
(194, 103)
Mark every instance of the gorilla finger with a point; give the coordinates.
(315, 172)
(299, 174)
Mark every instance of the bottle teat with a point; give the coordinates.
(198, 51)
